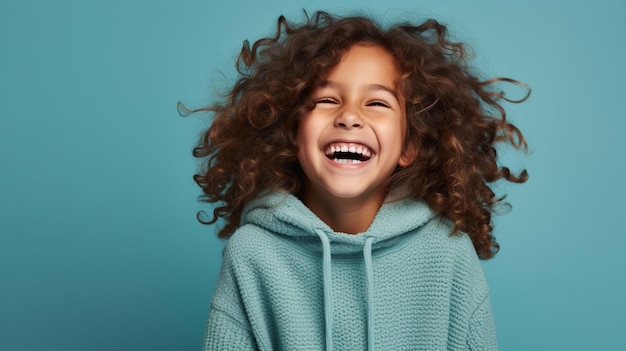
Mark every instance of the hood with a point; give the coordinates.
(287, 216)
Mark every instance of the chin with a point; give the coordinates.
(355, 194)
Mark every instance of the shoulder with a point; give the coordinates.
(436, 236)
(248, 241)
(254, 246)
(453, 253)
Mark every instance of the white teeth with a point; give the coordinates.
(343, 160)
(361, 152)
(355, 149)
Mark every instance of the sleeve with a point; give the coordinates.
(482, 331)
(228, 327)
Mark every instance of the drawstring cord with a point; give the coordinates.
(369, 279)
(328, 298)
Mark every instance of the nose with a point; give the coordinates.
(348, 119)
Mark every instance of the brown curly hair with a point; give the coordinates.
(454, 121)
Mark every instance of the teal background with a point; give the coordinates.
(99, 246)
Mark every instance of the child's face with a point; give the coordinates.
(351, 142)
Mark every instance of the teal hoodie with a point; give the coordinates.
(289, 282)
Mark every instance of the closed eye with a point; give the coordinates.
(326, 100)
(380, 103)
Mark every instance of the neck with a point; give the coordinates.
(351, 216)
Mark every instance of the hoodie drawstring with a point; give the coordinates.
(369, 279)
(328, 298)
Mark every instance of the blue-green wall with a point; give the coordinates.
(99, 246)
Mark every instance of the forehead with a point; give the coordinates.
(367, 59)
(365, 67)
(366, 64)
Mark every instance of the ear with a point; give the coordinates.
(408, 155)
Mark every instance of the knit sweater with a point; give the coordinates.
(289, 282)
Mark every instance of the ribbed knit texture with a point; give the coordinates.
(429, 291)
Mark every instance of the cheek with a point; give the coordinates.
(394, 134)
(309, 131)
(305, 137)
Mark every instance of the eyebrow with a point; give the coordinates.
(368, 87)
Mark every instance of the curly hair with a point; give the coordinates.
(454, 121)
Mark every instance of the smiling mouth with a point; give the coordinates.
(348, 153)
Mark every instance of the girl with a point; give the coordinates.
(351, 164)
